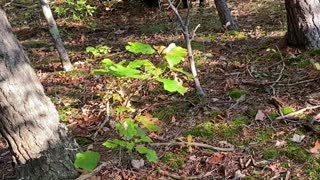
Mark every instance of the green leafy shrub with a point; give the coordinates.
(98, 50)
(146, 70)
(134, 138)
(74, 9)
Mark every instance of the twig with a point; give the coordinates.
(8, 3)
(107, 119)
(280, 74)
(194, 144)
(174, 176)
(300, 82)
(94, 172)
(297, 112)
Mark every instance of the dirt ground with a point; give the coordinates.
(253, 80)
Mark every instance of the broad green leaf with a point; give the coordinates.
(139, 63)
(127, 130)
(110, 145)
(139, 48)
(141, 132)
(143, 139)
(106, 63)
(121, 71)
(100, 72)
(175, 56)
(151, 155)
(119, 143)
(87, 160)
(130, 146)
(149, 123)
(173, 86)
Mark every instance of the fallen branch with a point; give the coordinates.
(174, 176)
(194, 144)
(297, 112)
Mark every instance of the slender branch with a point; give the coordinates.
(107, 119)
(94, 172)
(194, 144)
(174, 9)
(297, 112)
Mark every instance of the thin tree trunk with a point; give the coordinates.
(41, 146)
(67, 66)
(303, 18)
(224, 13)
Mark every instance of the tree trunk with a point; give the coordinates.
(303, 18)
(41, 146)
(224, 13)
(67, 66)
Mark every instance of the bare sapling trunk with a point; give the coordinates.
(225, 16)
(303, 18)
(41, 146)
(188, 38)
(67, 66)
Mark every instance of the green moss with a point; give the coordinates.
(67, 113)
(296, 153)
(175, 161)
(240, 121)
(273, 115)
(299, 62)
(204, 130)
(313, 169)
(166, 113)
(264, 135)
(154, 28)
(198, 45)
(287, 110)
(271, 154)
(236, 93)
(226, 132)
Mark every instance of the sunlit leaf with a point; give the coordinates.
(100, 72)
(149, 123)
(139, 48)
(110, 145)
(106, 63)
(151, 155)
(159, 49)
(173, 86)
(128, 129)
(175, 56)
(87, 160)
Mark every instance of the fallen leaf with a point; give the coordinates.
(297, 138)
(316, 148)
(260, 116)
(280, 143)
(137, 164)
(216, 158)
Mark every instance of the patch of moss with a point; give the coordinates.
(287, 110)
(240, 121)
(296, 153)
(299, 62)
(226, 132)
(67, 113)
(166, 113)
(175, 161)
(273, 115)
(154, 28)
(313, 169)
(198, 45)
(236, 93)
(264, 135)
(204, 130)
(271, 154)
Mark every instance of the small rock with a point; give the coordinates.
(137, 164)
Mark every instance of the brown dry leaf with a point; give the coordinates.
(316, 148)
(216, 158)
(260, 116)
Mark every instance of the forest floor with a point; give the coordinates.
(253, 80)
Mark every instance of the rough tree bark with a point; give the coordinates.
(303, 18)
(41, 146)
(224, 13)
(67, 66)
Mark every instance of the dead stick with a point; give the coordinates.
(94, 172)
(297, 112)
(194, 144)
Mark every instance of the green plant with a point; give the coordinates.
(87, 160)
(134, 138)
(146, 70)
(75, 9)
(98, 50)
